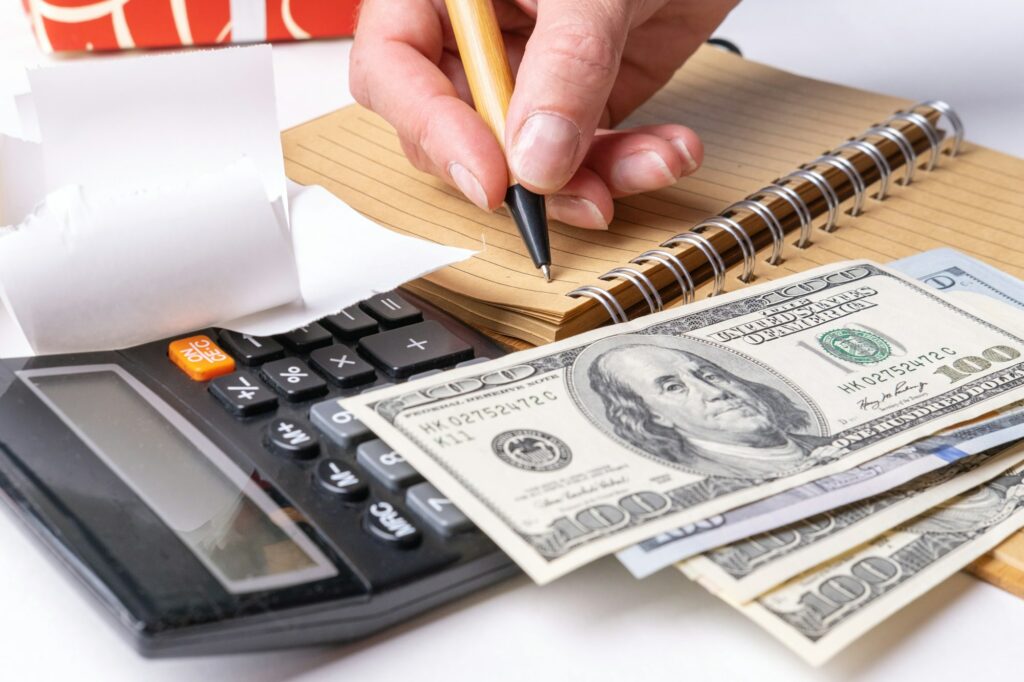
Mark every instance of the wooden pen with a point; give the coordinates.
(490, 81)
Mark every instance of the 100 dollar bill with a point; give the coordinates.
(566, 453)
(822, 611)
(870, 479)
(745, 569)
(943, 269)
(741, 571)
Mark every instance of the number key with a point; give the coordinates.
(338, 424)
(427, 502)
(386, 465)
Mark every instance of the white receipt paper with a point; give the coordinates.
(146, 198)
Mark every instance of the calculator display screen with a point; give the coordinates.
(231, 524)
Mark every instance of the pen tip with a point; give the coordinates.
(546, 269)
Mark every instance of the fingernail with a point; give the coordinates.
(642, 172)
(544, 150)
(468, 184)
(689, 163)
(576, 211)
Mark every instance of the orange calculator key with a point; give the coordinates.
(200, 358)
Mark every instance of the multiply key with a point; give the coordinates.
(292, 437)
(410, 350)
(343, 366)
(293, 379)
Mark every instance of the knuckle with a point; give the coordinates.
(578, 55)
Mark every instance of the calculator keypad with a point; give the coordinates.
(357, 478)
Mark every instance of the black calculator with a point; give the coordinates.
(214, 497)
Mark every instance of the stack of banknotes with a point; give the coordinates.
(817, 451)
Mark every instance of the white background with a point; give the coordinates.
(600, 624)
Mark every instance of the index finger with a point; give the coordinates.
(394, 71)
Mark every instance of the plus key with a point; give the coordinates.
(415, 348)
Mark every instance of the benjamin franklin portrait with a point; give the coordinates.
(682, 407)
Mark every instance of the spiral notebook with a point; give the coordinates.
(797, 173)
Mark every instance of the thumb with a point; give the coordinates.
(562, 88)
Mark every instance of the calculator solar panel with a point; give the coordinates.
(213, 495)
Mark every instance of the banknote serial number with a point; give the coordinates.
(448, 431)
(897, 370)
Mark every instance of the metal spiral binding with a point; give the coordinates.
(901, 141)
(605, 298)
(743, 240)
(800, 207)
(846, 167)
(782, 189)
(819, 181)
(641, 282)
(934, 138)
(771, 221)
(708, 249)
(673, 264)
(881, 163)
(951, 116)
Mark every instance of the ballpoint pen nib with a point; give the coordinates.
(546, 269)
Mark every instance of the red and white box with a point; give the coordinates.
(82, 25)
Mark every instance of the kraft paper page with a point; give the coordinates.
(757, 123)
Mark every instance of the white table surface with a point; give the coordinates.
(598, 623)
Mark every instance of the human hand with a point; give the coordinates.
(583, 66)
